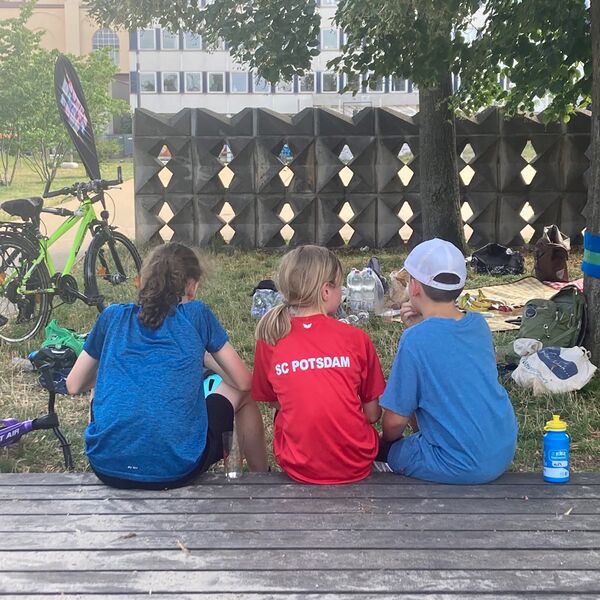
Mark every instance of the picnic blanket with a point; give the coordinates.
(515, 294)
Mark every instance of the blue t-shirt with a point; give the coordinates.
(149, 418)
(445, 373)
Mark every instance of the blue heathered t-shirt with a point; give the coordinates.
(149, 418)
(445, 373)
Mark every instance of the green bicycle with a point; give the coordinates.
(29, 281)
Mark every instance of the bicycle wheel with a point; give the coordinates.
(23, 312)
(111, 269)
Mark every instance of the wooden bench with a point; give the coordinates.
(265, 537)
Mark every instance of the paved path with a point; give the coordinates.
(123, 213)
(264, 537)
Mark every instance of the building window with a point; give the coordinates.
(354, 83)
(329, 82)
(216, 83)
(306, 84)
(170, 41)
(148, 83)
(147, 39)
(285, 87)
(105, 38)
(398, 84)
(239, 82)
(374, 85)
(193, 82)
(261, 86)
(330, 39)
(170, 82)
(192, 41)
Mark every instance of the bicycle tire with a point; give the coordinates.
(111, 269)
(26, 315)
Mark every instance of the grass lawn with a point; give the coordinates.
(231, 275)
(27, 183)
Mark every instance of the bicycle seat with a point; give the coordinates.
(26, 208)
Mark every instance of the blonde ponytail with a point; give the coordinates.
(302, 273)
(274, 325)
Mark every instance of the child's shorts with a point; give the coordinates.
(211, 383)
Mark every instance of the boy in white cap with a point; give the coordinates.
(444, 381)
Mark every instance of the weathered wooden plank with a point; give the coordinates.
(304, 539)
(180, 558)
(358, 581)
(278, 522)
(334, 596)
(55, 479)
(295, 490)
(165, 505)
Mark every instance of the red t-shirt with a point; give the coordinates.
(321, 374)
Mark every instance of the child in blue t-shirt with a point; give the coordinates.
(444, 381)
(151, 425)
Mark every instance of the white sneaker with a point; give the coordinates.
(381, 467)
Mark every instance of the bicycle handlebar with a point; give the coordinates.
(83, 188)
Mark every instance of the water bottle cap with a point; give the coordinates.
(556, 424)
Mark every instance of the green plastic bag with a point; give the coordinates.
(61, 337)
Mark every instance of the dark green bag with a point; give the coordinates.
(559, 321)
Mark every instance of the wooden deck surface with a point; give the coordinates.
(264, 537)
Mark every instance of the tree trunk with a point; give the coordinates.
(592, 285)
(440, 198)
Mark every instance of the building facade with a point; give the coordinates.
(170, 71)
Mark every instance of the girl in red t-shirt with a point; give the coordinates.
(323, 376)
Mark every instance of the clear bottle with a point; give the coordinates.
(354, 283)
(372, 291)
(263, 301)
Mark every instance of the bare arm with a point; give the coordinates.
(393, 426)
(232, 368)
(82, 377)
(213, 365)
(372, 411)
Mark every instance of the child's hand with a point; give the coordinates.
(409, 315)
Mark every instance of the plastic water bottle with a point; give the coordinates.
(354, 283)
(263, 301)
(372, 291)
(556, 451)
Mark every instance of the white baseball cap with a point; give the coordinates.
(434, 257)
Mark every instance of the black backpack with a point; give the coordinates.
(494, 259)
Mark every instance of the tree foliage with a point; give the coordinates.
(542, 46)
(30, 127)
(19, 47)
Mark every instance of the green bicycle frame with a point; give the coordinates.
(84, 215)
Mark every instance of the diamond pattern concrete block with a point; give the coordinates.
(496, 193)
(183, 220)
(244, 221)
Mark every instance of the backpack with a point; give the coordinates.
(552, 255)
(494, 259)
(57, 355)
(560, 321)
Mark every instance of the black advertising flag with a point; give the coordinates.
(74, 113)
